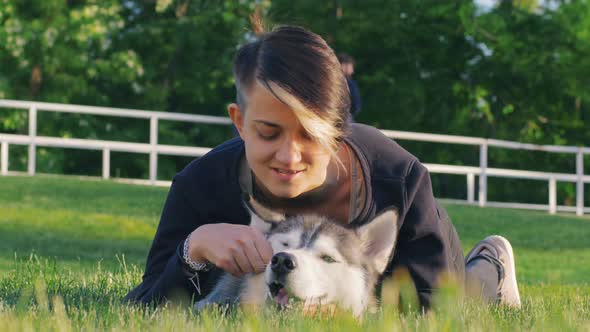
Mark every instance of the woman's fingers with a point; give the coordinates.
(242, 261)
(254, 257)
(257, 250)
(236, 249)
(263, 247)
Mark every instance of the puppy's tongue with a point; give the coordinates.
(282, 297)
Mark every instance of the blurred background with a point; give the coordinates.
(512, 70)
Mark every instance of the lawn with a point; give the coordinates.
(71, 248)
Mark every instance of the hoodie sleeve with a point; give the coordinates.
(428, 245)
(165, 275)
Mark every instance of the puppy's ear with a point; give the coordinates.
(379, 236)
(261, 217)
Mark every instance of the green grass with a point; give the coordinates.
(70, 249)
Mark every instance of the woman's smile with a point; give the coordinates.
(286, 175)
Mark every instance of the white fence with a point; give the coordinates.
(32, 140)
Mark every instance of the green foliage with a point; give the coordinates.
(60, 51)
(518, 71)
(529, 71)
(126, 54)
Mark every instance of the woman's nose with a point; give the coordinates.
(289, 152)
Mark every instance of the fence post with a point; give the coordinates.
(154, 152)
(483, 177)
(4, 158)
(580, 182)
(106, 163)
(470, 188)
(552, 195)
(32, 135)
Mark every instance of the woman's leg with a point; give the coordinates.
(490, 272)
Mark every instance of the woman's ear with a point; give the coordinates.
(235, 114)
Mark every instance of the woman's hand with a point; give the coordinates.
(236, 249)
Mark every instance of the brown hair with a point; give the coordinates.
(299, 68)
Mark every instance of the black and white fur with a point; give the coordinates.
(316, 260)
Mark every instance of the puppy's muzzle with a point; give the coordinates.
(282, 263)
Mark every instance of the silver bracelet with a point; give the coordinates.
(194, 266)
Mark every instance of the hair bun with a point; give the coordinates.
(256, 22)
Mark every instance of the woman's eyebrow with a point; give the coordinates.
(270, 124)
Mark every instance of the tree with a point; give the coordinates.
(167, 56)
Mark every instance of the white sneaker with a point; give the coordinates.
(500, 251)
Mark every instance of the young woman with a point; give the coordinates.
(299, 153)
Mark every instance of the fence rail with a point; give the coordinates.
(32, 140)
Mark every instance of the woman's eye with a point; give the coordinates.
(268, 137)
(305, 135)
(328, 259)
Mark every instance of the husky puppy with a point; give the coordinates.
(316, 261)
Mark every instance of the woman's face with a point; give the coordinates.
(284, 159)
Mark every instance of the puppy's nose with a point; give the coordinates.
(282, 263)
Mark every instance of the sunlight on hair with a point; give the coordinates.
(321, 130)
(256, 22)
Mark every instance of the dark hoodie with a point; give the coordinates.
(208, 191)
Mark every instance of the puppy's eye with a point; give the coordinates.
(285, 244)
(328, 259)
